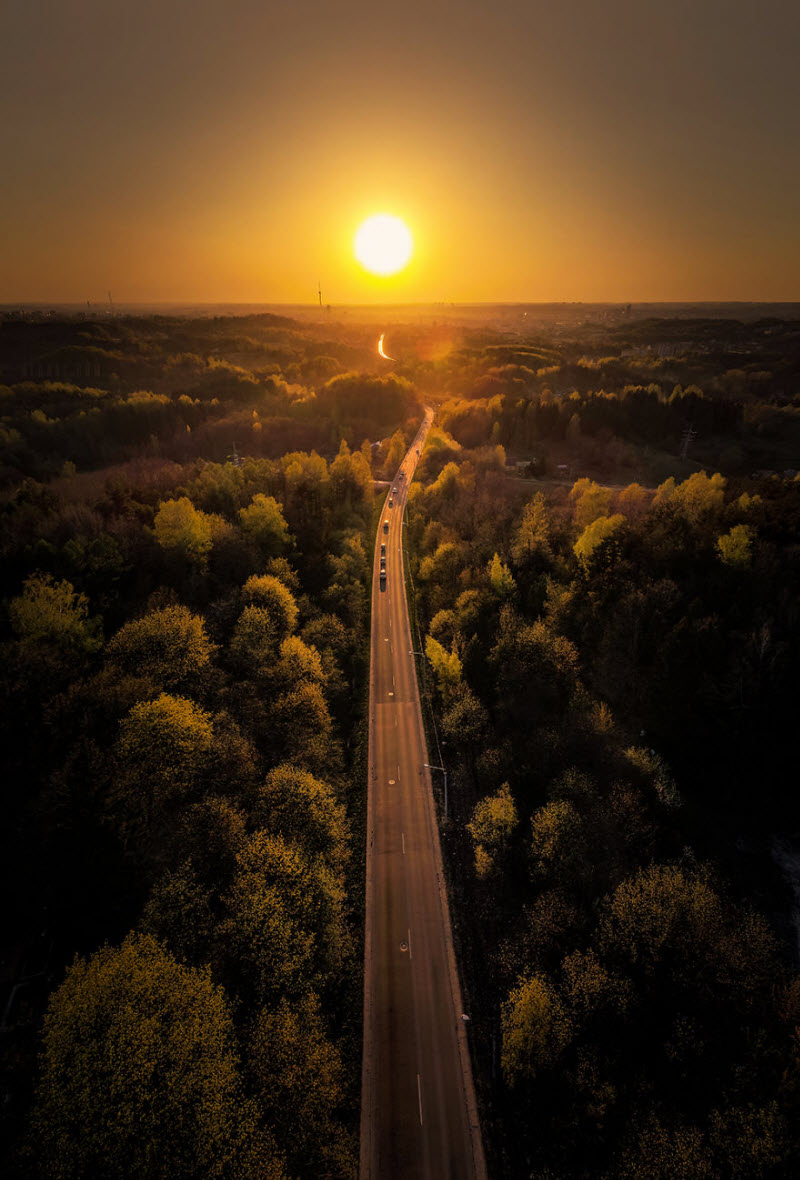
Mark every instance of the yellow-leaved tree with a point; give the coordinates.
(446, 666)
(163, 748)
(735, 548)
(595, 533)
(183, 530)
(501, 579)
(140, 1075)
(491, 828)
(536, 1029)
(264, 523)
(304, 810)
(52, 617)
(168, 646)
(590, 500)
(299, 1080)
(532, 538)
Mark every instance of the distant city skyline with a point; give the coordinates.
(201, 152)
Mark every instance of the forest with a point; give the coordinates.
(612, 683)
(185, 652)
(603, 549)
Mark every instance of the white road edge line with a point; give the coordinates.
(403, 838)
(409, 944)
(419, 1098)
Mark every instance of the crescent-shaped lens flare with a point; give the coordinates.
(385, 355)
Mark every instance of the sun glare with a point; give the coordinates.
(383, 244)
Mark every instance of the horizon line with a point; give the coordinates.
(100, 304)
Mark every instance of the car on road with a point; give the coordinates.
(386, 526)
(391, 502)
(383, 579)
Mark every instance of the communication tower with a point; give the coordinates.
(689, 435)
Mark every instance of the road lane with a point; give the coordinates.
(418, 1116)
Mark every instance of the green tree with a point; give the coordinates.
(735, 548)
(302, 726)
(140, 1078)
(168, 647)
(654, 774)
(297, 663)
(662, 1152)
(590, 501)
(535, 1027)
(50, 616)
(500, 578)
(674, 928)
(179, 915)
(256, 638)
(535, 672)
(446, 666)
(346, 592)
(465, 721)
(306, 479)
(163, 748)
(302, 809)
(699, 496)
(558, 842)
(444, 565)
(634, 501)
(395, 454)
(299, 1081)
(589, 988)
(595, 533)
(491, 828)
(351, 478)
(181, 529)
(284, 931)
(664, 492)
(270, 594)
(263, 521)
(211, 834)
(532, 539)
(379, 401)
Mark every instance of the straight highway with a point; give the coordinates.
(418, 1114)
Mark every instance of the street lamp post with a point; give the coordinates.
(444, 772)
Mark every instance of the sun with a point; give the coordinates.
(383, 244)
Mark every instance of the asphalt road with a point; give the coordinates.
(418, 1116)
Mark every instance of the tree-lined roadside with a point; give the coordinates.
(633, 1003)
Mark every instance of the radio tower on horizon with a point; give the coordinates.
(319, 292)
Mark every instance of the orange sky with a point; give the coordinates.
(210, 151)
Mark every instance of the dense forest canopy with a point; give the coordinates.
(186, 566)
(613, 683)
(603, 546)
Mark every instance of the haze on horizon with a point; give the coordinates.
(204, 152)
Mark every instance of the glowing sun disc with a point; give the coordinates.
(383, 244)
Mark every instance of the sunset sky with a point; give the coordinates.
(227, 151)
